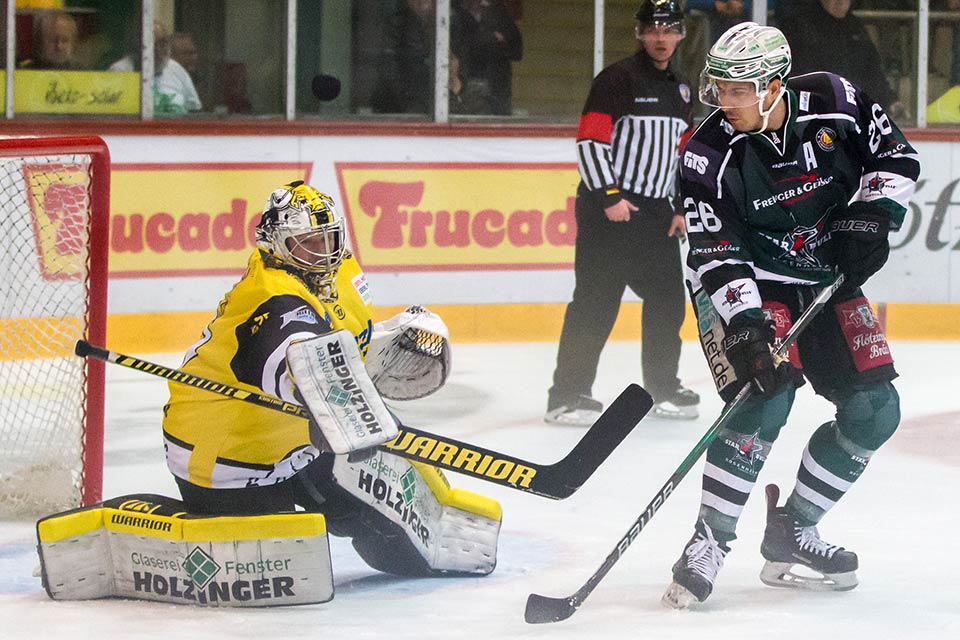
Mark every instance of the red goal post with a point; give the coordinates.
(54, 240)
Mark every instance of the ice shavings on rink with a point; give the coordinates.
(899, 518)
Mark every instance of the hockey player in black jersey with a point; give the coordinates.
(785, 185)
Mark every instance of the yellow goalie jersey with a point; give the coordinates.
(217, 442)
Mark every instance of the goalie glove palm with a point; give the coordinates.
(749, 348)
(409, 355)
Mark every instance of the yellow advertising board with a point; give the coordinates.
(460, 216)
(191, 218)
(116, 92)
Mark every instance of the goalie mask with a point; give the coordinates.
(741, 65)
(302, 230)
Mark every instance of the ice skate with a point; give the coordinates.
(581, 411)
(696, 570)
(786, 543)
(681, 404)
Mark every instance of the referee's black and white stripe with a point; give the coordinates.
(641, 158)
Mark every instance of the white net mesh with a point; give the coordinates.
(44, 207)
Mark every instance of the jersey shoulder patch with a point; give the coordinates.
(824, 93)
(704, 152)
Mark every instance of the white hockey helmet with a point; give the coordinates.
(301, 228)
(749, 53)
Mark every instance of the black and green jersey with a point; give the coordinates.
(760, 206)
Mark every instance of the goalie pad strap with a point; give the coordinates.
(329, 374)
(147, 547)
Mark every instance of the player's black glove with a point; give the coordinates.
(859, 241)
(749, 348)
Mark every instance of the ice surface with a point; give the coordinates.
(901, 518)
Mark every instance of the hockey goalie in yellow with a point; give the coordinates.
(245, 346)
(298, 326)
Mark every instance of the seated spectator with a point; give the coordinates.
(825, 36)
(55, 42)
(405, 79)
(487, 40)
(183, 49)
(173, 89)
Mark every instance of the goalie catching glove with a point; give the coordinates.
(409, 355)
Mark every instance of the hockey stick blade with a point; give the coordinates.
(556, 481)
(611, 428)
(541, 609)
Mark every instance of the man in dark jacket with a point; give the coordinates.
(825, 36)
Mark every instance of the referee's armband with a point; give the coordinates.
(611, 196)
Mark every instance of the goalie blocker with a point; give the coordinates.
(345, 405)
(408, 358)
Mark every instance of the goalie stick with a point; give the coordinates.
(557, 481)
(541, 609)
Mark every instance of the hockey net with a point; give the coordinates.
(54, 217)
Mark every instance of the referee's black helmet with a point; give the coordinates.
(660, 12)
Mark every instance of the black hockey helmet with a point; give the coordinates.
(665, 13)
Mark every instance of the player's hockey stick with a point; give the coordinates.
(545, 609)
(557, 481)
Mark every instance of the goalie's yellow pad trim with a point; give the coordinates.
(181, 526)
(458, 498)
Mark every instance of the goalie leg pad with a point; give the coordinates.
(147, 547)
(414, 523)
(345, 405)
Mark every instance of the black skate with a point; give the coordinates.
(580, 411)
(680, 404)
(786, 543)
(696, 570)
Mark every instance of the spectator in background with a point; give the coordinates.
(405, 82)
(183, 49)
(825, 36)
(174, 93)
(953, 6)
(723, 14)
(487, 40)
(465, 97)
(55, 42)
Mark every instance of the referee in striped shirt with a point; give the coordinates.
(628, 234)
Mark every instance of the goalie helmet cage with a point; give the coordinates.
(54, 233)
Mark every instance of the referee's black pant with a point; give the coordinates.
(609, 257)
